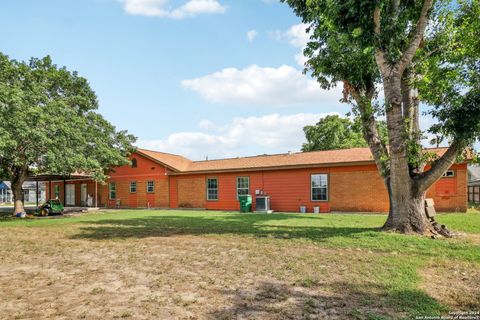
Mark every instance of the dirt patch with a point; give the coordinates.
(456, 284)
(51, 273)
(48, 274)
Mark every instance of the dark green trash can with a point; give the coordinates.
(245, 203)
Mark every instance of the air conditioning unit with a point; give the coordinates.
(262, 204)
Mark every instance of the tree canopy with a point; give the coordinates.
(49, 124)
(414, 51)
(334, 132)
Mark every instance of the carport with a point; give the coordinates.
(49, 178)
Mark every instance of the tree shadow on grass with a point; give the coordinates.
(337, 300)
(254, 225)
(336, 232)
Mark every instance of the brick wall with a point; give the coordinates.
(191, 192)
(351, 189)
(450, 193)
(146, 170)
(361, 191)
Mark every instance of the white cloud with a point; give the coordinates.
(296, 36)
(300, 58)
(160, 8)
(243, 136)
(254, 85)
(207, 124)
(251, 35)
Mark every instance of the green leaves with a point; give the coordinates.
(48, 122)
(450, 65)
(339, 33)
(334, 132)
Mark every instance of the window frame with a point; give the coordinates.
(248, 187)
(153, 186)
(327, 187)
(114, 189)
(208, 189)
(445, 174)
(135, 185)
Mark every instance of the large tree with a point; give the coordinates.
(334, 132)
(414, 51)
(49, 124)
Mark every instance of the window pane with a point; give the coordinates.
(243, 185)
(150, 186)
(319, 180)
(315, 181)
(112, 188)
(242, 192)
(212, 183)
(319, 187)
(133, 187)
(212, 194)
(212, 189)
(319, 194)
(242, 182)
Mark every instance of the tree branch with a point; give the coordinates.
(395, 6)
(427, 178)
(410, 103)
(370, 131)
(376, 20)
(422, 22)
(379, 54)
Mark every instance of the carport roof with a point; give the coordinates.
(57, 177)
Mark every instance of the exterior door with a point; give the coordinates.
(70, 194)
(83, 195)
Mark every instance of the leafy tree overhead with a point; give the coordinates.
(415, 51)
(335, 132)
(49, 125)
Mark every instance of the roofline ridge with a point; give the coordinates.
(277, 154)
(172, 154)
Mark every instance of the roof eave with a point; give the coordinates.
(272, 168)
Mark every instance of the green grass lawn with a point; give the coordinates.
(230, 265)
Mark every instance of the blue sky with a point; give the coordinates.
(196, 77)
(216, 78)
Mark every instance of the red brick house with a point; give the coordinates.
(336, 180)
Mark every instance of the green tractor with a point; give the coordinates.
(51, 207)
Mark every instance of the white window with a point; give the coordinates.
(112, 188)
(150, 186)
(319, 187)
(212, 189)
(449, 174)
(243, 186)
(133, 187)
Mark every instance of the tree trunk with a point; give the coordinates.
(20, 175)
(407, 212)
(407, 208)
(407, 204)
(406, 189)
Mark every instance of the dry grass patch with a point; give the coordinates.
(197, 265)
(176, 277)
(456, 284)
